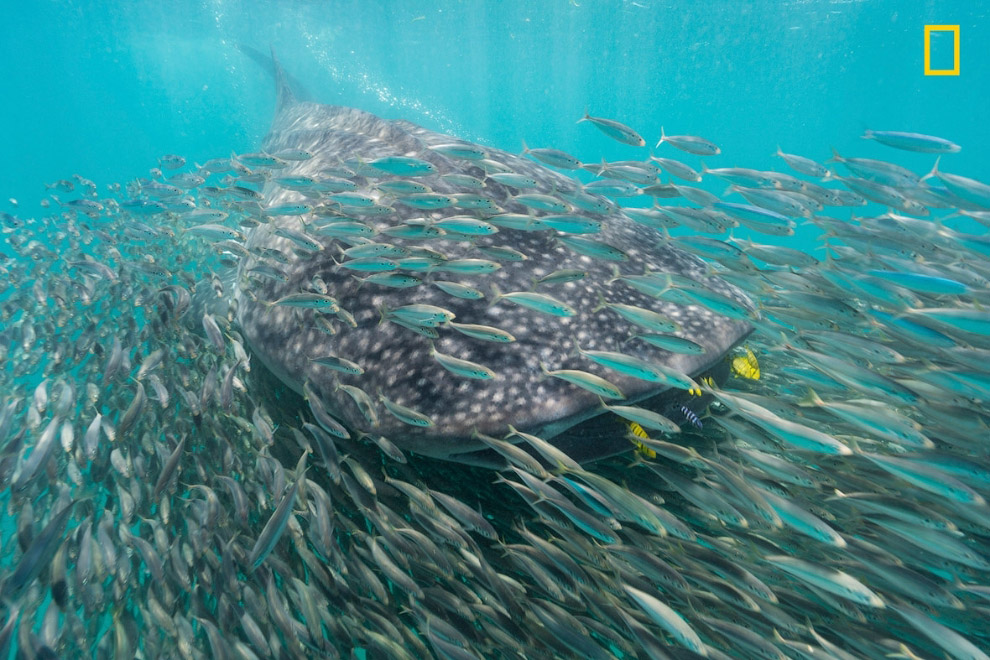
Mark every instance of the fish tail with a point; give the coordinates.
(499, 479)
(496, 295)
(383, 311)
(933, 173)
(592, 167)
(577, 347)
(663, 137)
(811, 399)
(616, 275)
(602, 303)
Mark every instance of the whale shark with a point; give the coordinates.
(468, 246)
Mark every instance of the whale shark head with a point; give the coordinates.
(327, 196)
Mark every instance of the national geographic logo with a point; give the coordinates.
(954, 71)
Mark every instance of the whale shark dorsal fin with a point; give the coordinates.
(284, 96)
(288, 89)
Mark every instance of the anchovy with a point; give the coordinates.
(615, 130)
(169, 468)
(273, 529)
(918, 142)
(837, 582)
(460, 367)
(689, 143)
(587, 381)
(38, 555)
(668, 619)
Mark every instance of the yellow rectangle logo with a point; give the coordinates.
(954, 29)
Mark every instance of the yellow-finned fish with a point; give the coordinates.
(638, 431)
(746, 366)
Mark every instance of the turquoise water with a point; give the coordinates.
(104, 90)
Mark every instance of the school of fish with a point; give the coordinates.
(168, 497)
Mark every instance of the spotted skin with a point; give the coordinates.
(397, 361)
